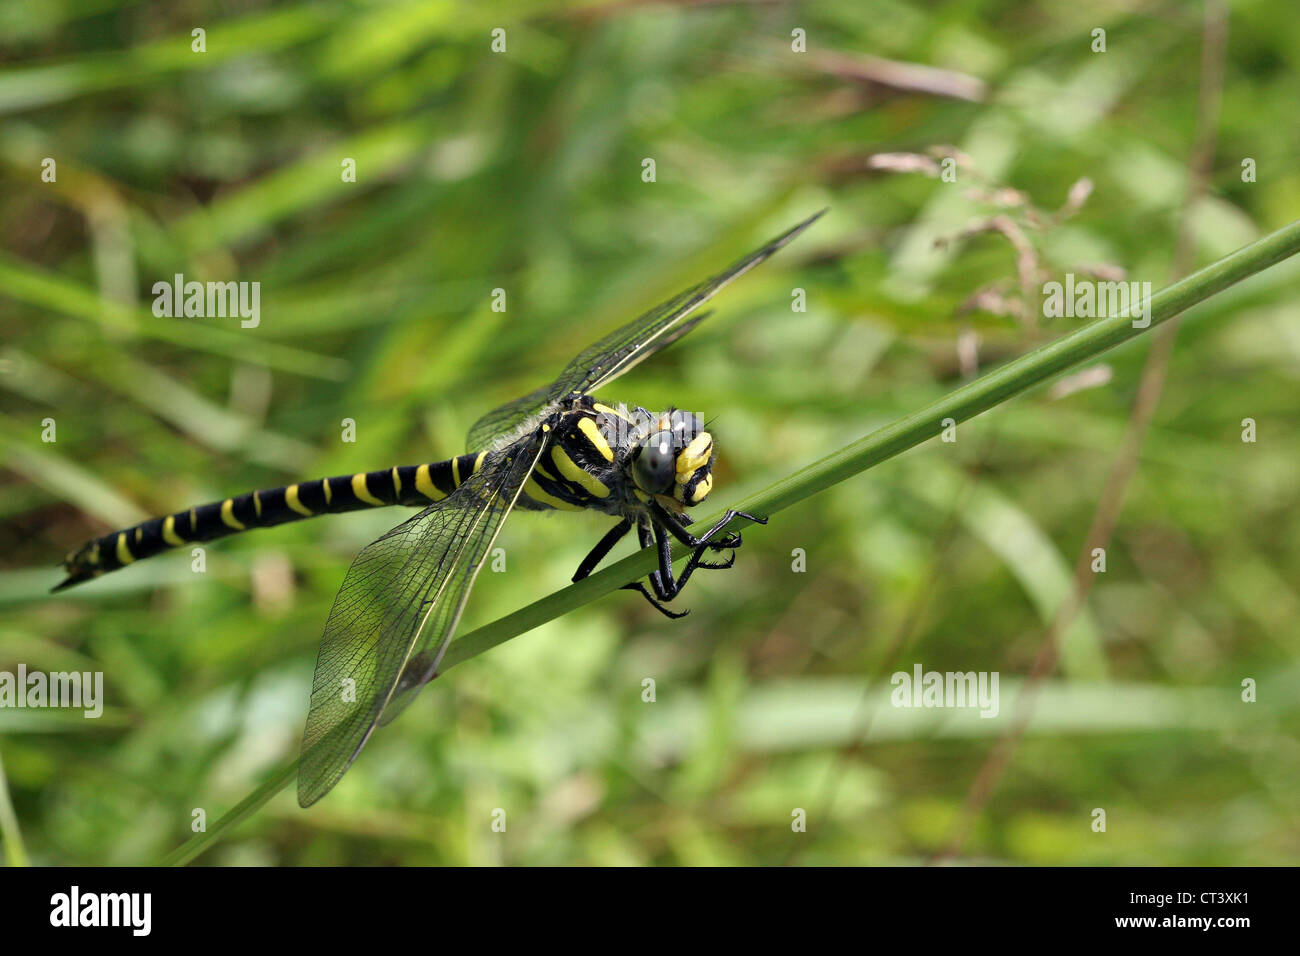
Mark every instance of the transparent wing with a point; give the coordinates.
(395, 614)
(504, 420)
(624, 348)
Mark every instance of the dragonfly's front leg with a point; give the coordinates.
(679, 529)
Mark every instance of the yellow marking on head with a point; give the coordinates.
(535, 491)
(425, 486)
(361, 491)
(169, 532)
(124, 555)
(570, 470)
(228, 515)
(694, 456)
(325, 486)
(641, 495)
(291, 499)
(588, 428)
(702, 490)
(397, 483)
(478, 462)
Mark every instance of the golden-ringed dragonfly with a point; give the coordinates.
(556, 448)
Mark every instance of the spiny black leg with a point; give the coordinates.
(677, 526)
(732, 539)
(647, 539)
(605, 545)
(710, 565)
(667, 588)
(644, 535)
(602, 548)
(638, 586)
(662, 580)
(697, 561)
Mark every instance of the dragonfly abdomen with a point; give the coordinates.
(410, 485)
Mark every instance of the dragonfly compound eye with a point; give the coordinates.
(654, 467)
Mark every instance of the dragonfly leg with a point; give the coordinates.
(696, 560)
(602, 548)
(665, 585)
(661, 579)
(606, 544)
(677, 526)
(641, 589)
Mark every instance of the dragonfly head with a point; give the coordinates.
(675, 460)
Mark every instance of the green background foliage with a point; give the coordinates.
(522, 171)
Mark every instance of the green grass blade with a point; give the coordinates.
(10, 833)
(192, 847)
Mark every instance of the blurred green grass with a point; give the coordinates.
(522, 171)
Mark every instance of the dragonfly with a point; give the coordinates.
(557, 448)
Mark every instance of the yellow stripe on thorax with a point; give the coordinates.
(588, 428)
(570, 470)
(535, 491)
(597, 406)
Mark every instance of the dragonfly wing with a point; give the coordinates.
(622, 349)
(507, 419)
(396, 612)
(513, 416)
